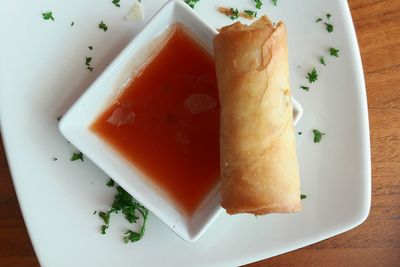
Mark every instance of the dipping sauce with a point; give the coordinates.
(166, 122)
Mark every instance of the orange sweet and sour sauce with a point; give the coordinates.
(166, 122)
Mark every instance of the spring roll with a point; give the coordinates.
(259, 167)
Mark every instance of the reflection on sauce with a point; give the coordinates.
(166, 122)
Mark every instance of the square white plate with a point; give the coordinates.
(42, 72)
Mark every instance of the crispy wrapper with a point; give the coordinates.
(259, 167)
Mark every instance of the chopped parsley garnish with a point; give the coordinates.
(328, 16)
(235, 13)
(322, 61)
(103, 26)
(77, 156)
(103, 229)
(299, 133)
(110, 183)
(274, 2)
(48, 15)
(334, 52)
(191, 3)
(88, 60)
(259, 4)
(303, 196)
(105, 216)
(305, 88)
(87, 63)
(251, 13)
(131, 236)
(312, 76)
(318, 20)
(329, 27)
(116, 3)
(90, 47)
(72, 23)
(317, 136)
(54, 159)
(131, 209)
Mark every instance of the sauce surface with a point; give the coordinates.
(166, 122)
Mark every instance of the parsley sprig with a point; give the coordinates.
(116, 3)
(88, 61)
(77, 156)
(322, 61)
(132, 211)
(317, 135)
(234, 13)
(110, 183)
(103, 26)
(312, 76)
(334, 52)
(48, 15)
(259, 4)
(305, 88)
(329, 26)
(191, 3)
(251, 13)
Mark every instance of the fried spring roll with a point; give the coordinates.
(259, 167)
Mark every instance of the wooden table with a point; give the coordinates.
(377, 241)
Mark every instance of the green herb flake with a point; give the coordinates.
(251, 13)
(305, 88)
(110, 183)
(131, 236)
(48, 15)
(116, 3)
(299, 133)
(94, 212)
(72, 23)
(191, 3)
(103, 26)
(88, 60)
(54, 159)
(303, 196)
(77, 156)
(105, 216)
(103, 229)
(322, 61)
(317, 136)
(87, 63)
(274, 2)
(259, 4)
(328, 16)
(318, 20)
(59, 118)
(90, 47)
(312, 76)
(329, 27)
(334, 52)
(130, 208)
(235, 13)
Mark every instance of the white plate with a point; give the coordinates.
(42, 72)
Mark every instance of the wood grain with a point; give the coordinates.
(377, 241)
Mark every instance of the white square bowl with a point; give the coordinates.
(76, 122)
